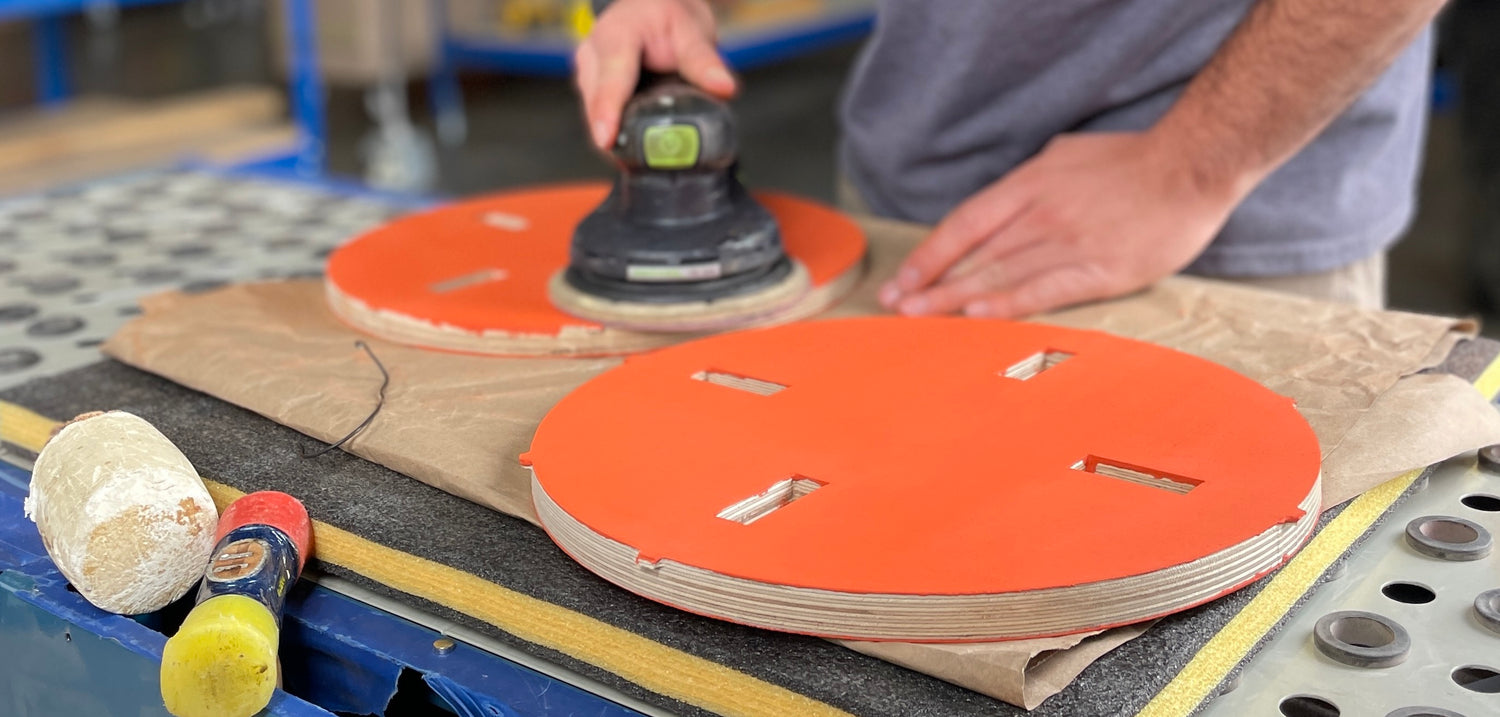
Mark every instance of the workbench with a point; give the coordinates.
(73, 270)
(345, 649)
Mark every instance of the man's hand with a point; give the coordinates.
(1095, 216)
(667, 35)
(1091, 216)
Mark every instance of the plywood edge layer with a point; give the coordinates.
(931, 618)
(581, 340)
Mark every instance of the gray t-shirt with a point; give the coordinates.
(949, 96)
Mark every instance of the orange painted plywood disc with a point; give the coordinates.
(472, 276)
(932, 479)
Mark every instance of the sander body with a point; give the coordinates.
(678, 244)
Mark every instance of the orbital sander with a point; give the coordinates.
(678, 244)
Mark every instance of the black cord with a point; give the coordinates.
(385, 381)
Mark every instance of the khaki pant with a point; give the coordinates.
(1361, 283)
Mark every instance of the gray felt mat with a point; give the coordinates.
(251, 453)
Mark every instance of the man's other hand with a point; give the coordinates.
(1092, 216)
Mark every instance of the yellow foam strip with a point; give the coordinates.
(24, 428)
(1233, 642)
(574, 633)
(1228, 648)
(1488, 382)
(650, 664)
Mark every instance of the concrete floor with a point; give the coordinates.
(527, 131)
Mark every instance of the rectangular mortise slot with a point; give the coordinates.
(739, 383)
(1138, 475)
(466, 280)
(506, 221)
(1036, 363)
(778, 496)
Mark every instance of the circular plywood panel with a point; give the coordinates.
(472, 276)
(926, 479)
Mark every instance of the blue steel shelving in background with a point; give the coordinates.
(550, 55)
(844, 22)
(50, 42)
(54, 86)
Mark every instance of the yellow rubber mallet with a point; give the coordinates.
(222, 662)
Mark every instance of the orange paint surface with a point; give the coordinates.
(483, 264)
(939, 474)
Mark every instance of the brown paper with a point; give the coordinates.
(1400, 432)
(458, 422)
(452, 421)
(1023, 673)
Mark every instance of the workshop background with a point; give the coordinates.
(454, 98)
(217, 68)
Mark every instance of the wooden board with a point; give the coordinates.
(102, 126)
(926, 479)
(94, 136)
(473, 276)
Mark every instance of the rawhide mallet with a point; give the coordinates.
(122, 512)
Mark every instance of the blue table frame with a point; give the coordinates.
(338, 653)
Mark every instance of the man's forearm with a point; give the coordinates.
(1281, 77)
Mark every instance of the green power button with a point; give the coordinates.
(672, 146)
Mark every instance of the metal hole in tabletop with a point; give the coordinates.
(1482, 502)
(1308, 706)
(1423, 712)
(1408, 592)
(55, 326)
(1487, 609)
(1478, 678)
(1448, 538)
(1361, 639)
(10, 313)
(13, 360)
(50, 284)
(1489, 458)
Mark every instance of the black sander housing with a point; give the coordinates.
(677, 228)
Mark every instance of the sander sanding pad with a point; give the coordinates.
(748, 309)
(926, 480)
(474, 276)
